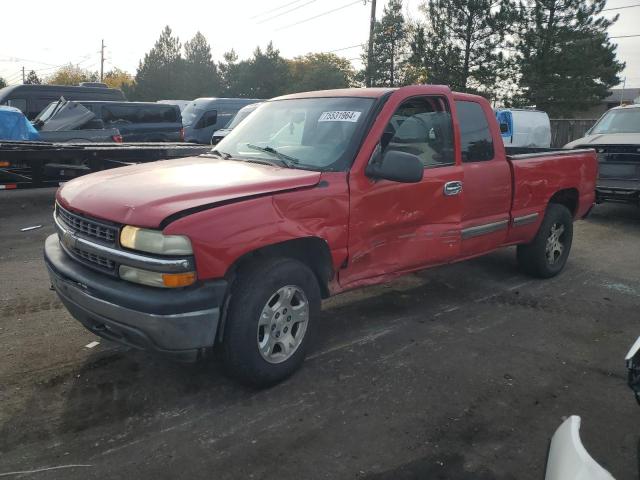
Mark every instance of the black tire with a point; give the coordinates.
(534, 259)
(254, 286)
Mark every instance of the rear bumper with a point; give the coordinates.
(177, 322)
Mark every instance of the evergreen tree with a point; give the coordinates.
(201, 75)
(32, 78)
(227, 72)
(265, 75)
(3, 82)
(160, 74)
(460, 43)
(389, 47)
(566, 60)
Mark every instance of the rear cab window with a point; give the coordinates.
(476, 140)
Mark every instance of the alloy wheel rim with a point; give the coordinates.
(555, 243)
(283, 324)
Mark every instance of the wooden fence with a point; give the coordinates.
(565, 130)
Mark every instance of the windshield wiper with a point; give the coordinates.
(285, 160)
(223, 155)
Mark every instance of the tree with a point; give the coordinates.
(201, 74)
(159, 74)
(460, 43)
(116, 78)
(32, 78)
(71, 75)
(389, 47)
(228, 71)
(3, 82)
(319, 71)
(265, 75)
(566, 60)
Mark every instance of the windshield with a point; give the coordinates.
(314, 133)
(191, 114)
(241, 115)
(619, 121)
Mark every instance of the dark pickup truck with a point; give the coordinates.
(313, 194)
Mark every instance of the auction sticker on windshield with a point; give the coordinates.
(340, 116)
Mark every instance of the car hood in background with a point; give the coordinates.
(606, 139)
(144, 195)
(69, 116)
(223, 132)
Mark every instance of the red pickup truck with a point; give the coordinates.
(313, 194)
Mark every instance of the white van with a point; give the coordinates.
(524, 128)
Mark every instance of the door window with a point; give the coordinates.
(422, 126)
(208, 118)
(19, 103)
(475, 137)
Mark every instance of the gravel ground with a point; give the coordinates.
(460, 372)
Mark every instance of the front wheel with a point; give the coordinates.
(547, 255)
(270, 320)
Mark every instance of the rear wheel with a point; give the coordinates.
(270, 321)
(547, 255)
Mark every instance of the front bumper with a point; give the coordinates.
(176, 322)
(619, 191)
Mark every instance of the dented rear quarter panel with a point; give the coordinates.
(537, 179)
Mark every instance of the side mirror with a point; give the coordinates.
(395, 166)
(633, 369)
(504, 128)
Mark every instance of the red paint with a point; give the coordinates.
(375, 230)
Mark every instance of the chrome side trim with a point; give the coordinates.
(550, 152)
(478, 230)
(525, 219)
(70, 240)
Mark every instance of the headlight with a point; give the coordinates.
(153, 241)
(156, 279)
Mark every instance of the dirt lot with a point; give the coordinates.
(461, 372)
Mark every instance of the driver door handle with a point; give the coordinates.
(452, 188)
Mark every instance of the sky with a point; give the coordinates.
(63, 31)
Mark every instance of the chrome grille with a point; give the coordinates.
(88, 227)
(95, 259)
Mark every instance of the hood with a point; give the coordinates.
(69, 116)
(606, 139)
(144, 195)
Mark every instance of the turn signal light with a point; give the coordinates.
(175, 280)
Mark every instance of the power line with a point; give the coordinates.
(318, 16)
(285, 12)
(275, 9)
(344, 48)
(620, 8)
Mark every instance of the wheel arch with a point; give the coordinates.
(312, 251)
(569, 197)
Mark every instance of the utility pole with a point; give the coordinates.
(372, 25)
(23, 74)
(102, 62)
(624, 84)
